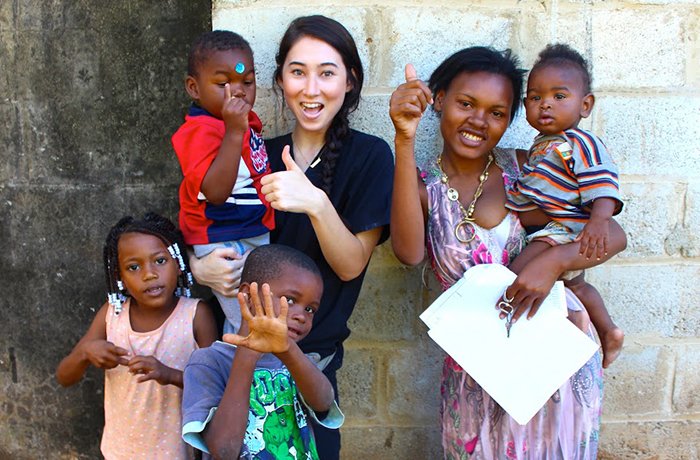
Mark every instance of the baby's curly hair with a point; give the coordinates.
(216, 40)
(558, 54)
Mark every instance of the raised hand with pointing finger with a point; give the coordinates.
(408, 102)
(235, 111)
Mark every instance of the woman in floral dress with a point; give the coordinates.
(459, 198)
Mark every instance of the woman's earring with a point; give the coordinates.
(120, 285)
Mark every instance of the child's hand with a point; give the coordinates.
(408, 102)
(594, 238)
(104, 354)
(235, 112)
(268, 332)
(150, 369)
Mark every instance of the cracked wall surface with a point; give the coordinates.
(90, 92)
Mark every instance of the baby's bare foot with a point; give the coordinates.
(611, 341)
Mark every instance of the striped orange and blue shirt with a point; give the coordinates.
(563, 175)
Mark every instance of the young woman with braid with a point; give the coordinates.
(330, 187)
(142, 337)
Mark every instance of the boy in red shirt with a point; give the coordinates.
(222, 155)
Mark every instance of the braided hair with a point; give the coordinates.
(337, 36)
(151, 224)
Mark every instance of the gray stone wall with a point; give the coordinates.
(90, 92)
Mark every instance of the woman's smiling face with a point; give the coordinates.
(314, 80)
(474, 113)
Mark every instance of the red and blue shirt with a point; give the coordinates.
(245, 213)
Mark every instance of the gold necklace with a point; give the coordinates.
(467, 220)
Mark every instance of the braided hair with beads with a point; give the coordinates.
(337, 36)
(151, 224)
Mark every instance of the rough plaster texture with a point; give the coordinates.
(646, 77)
(90, 92)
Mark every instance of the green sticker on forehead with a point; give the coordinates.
(240, 67)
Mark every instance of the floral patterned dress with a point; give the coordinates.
(473, 425)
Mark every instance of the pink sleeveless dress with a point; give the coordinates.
(473, 425)
(144, 420)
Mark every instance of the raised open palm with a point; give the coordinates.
(267, 330)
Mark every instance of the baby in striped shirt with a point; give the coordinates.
(568, 180)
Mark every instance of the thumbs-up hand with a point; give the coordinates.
(410, 73)
(291, 190)
(288, 161)
(408, 102)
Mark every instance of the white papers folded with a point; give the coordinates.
(520, 372)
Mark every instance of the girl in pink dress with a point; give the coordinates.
(143, 337)
(458, 200)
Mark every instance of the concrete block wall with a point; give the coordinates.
(645, 57)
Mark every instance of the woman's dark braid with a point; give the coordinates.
(337, 132)
(151, 224)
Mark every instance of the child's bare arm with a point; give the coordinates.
(594, 237)
(93, 348)
(225, 433)
(204, 324)
(221, 175)
(313, 385)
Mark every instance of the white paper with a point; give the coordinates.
(520, 372)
